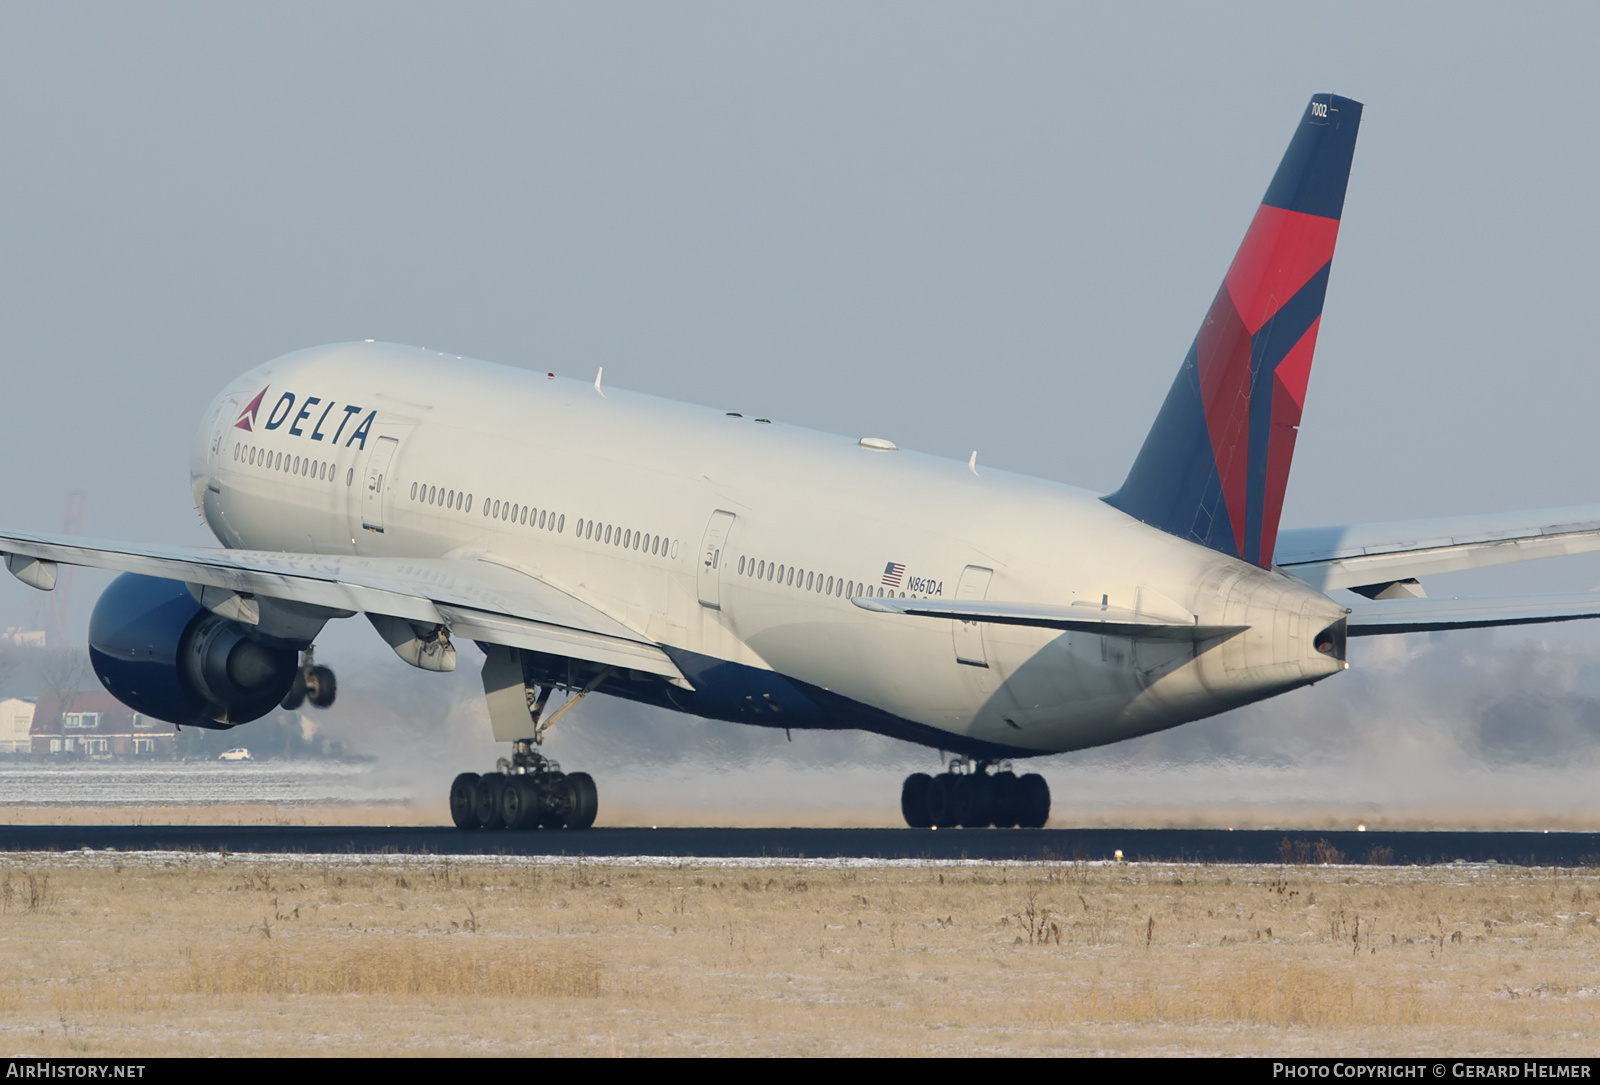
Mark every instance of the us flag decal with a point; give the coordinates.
(892, 574)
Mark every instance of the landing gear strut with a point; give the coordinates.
(528, 791)
(967, 795)
(311, 683)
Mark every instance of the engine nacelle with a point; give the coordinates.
(158, 651)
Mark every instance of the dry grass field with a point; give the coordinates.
(169, 954)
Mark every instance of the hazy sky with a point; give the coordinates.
(990, 226)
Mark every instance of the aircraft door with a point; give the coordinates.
(974, 584)
(711, 555)
(376, 489)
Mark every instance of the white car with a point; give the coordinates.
(238, 753)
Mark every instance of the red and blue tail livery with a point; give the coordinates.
(1215, 465)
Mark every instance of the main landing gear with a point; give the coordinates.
(311, 683)
(969, 796)
(529, 791)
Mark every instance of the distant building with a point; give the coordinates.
(94, 724)
(16, 725)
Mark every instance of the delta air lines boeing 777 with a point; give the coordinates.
(589, 540)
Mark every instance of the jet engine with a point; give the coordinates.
(158, 651)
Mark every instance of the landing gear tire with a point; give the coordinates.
(979, 813)
(320, 686)
(1033, 806)
(519, 803)
(949, 800)
(584, 800)
(311, 683)
(914, 800)
(489, 799)
(297, 692)
(528, 791)
(970, 797)
(463, 801)
(1007, 793)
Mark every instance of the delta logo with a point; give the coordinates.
(302, 426)
(247, 417)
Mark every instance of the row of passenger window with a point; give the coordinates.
(806, 579)
(627, 538)
(527, 515)
(439, 496)
(321, 470)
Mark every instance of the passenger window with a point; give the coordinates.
(808, 581)
(413, 491)
(561, 524)
(741, 564)
(450, 499)
(469, 502)
(349, 475)
(791, 576)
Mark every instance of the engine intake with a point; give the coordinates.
(158, 651)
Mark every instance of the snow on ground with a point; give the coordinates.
(198, 783)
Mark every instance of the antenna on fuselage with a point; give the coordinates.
(598, 373)
(972, 464)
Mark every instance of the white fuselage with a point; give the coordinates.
(814, 518)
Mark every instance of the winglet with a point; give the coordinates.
(1215, 465)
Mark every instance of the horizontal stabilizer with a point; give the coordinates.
(1431, 615)
(1359, 554)
(1106, 621)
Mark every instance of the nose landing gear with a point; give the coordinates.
(967, 795)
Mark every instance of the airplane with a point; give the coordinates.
(591, 540)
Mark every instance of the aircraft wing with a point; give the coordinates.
(1073, 617)
(479, 597)
(1376, 555)
(1428, 615)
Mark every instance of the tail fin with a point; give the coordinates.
(1215, 465)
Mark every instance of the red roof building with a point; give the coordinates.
(92, 723)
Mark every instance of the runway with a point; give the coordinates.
(1017, 845)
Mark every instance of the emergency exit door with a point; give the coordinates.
(377, 488)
